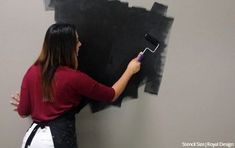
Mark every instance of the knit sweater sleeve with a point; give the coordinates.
(88, 87)
(24, 107)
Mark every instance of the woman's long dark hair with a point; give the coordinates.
(59, 49)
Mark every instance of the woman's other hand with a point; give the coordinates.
(15, 100)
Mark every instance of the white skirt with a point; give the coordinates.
(42, 138)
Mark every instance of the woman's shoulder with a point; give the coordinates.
(33, 68)
(32, 72)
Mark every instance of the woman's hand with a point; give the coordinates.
(132, 68)
(15, 100)
(134, 65)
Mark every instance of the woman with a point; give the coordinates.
(52, 89)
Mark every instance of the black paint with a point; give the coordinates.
(112, 33)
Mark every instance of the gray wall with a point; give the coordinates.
(196, 100)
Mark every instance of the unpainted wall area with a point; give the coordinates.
(196, 97)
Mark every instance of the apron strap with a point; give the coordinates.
(32, 134)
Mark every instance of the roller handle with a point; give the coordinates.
(140, 56)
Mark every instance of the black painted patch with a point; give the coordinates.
(112, 33)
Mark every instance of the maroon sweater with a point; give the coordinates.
(70, 86)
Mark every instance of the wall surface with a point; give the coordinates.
(196, 98)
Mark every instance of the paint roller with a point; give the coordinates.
(153, 41)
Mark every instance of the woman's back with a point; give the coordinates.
(68, 87)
